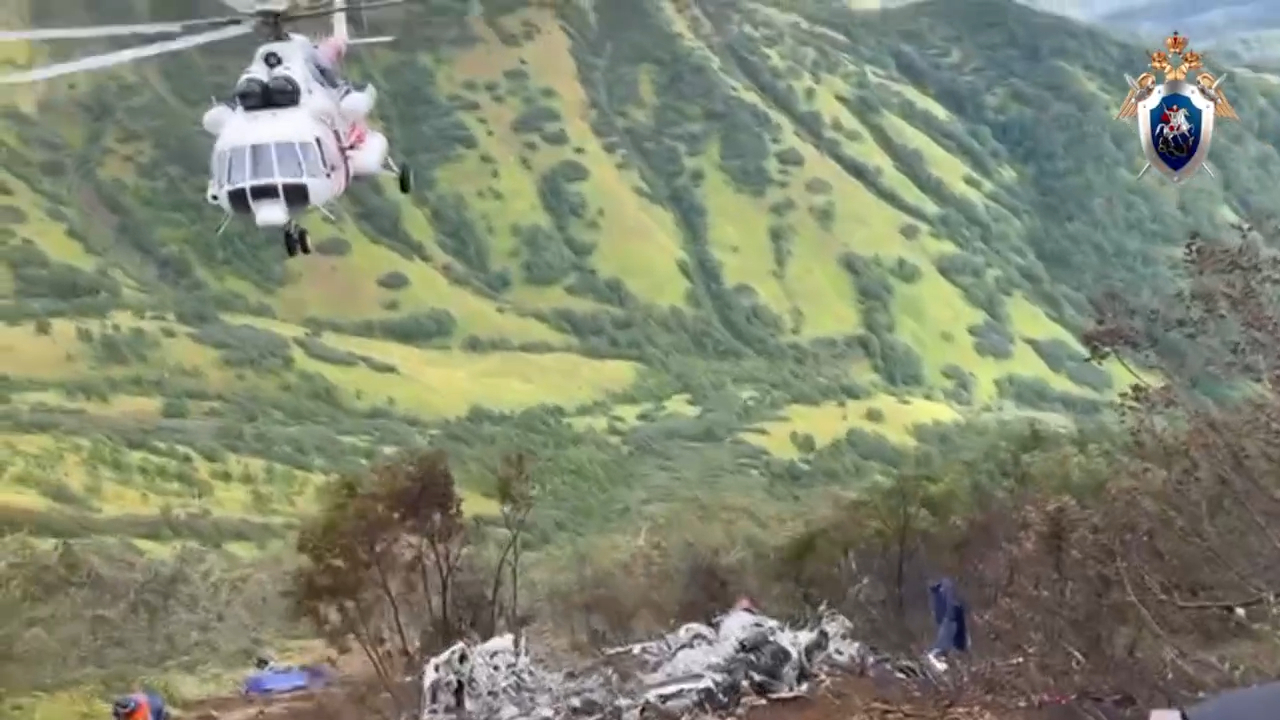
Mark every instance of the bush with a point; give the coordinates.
(420, 328)
(1037, 394)
(571, 171)
(58, 600)
(874, 414)
(1070, 361)
(993, 340)
(818, 186)
(905, 270)
(789, 157)
(532, 120)
(874, 448)
(393, 280)
(899, 363)
(803, 442)
(544, 258)
(333, 246)
(246, 346)
(175, 408)
(12, 216)
(318, 350)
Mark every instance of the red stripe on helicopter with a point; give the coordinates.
(357, 135)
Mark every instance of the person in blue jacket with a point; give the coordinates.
(140, 706)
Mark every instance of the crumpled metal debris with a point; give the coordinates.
(696, 668)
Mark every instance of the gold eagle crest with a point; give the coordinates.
(1187, 60)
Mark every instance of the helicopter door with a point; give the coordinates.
(324, 160)
(334, 161)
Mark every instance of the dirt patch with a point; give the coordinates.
(299, 706)
(842, 699)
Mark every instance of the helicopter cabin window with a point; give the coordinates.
(311, 160)
(289, 160)
(237, 166)
(262, 165)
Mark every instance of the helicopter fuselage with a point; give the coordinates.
(293, 137)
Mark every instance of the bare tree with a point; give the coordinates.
(516, 494)
(382, 560)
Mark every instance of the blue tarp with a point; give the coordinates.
(282, 680)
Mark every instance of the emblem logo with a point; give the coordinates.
(1175, 119)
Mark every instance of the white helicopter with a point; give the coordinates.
(295, 133)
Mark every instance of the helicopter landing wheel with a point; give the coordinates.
(304, 240)
(405, 176)
(291, 244)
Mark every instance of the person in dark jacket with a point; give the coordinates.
(951, 618)
(1260, 702)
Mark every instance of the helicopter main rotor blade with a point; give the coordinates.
(321, 12)
(241, 6)
(120, 57)
(101, 31)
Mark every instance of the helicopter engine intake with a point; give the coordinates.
(216, 119)
(357, 104)
(369, 156)
(255, 93)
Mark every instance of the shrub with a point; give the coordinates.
(246, 346)
(393, 280)
(175, 407)
(991, 339)
(544, 258)
(905, 270)
(333, 246)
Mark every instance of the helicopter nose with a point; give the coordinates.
(270, 214)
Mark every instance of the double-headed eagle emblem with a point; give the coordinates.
(1175, 117)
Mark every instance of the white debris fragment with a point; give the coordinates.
(697, 667)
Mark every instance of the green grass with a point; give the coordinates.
(830, 422)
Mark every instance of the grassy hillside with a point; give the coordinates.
(658, 243)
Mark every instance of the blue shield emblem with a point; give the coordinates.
(1175, 130)
(1176, 123)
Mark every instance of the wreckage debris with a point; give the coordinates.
(743, 658)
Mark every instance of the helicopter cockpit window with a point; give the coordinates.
(238, 166)
(311, 160)
(262, 165)
(289, 160)
(218, 169)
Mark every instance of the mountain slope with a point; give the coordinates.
(789, 224)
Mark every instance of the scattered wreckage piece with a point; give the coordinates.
(743, 658)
